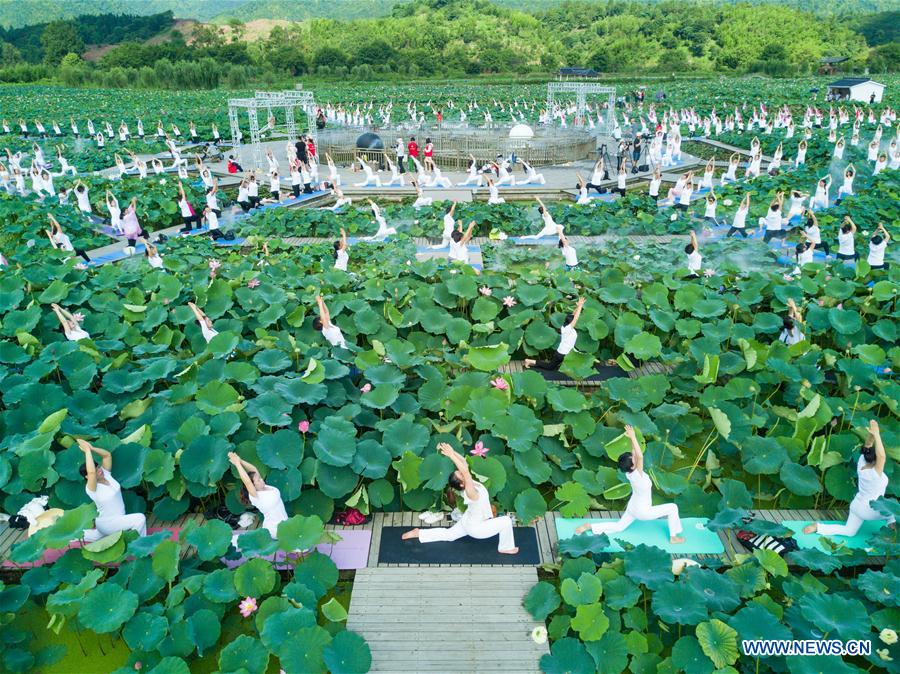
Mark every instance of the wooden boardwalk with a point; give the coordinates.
(451, 621)
(652, 367)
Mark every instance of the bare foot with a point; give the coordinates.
(676, 539)
(513, 551)
(809, 529)
(410, 534)
(528, 362)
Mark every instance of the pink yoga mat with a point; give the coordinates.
(351, 552)
(50, 556)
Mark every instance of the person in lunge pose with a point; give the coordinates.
(640, 505)
(105, 492)
(478, 520)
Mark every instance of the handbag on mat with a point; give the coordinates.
(778, 544)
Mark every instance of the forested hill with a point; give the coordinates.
(17, 13)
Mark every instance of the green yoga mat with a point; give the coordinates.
(857, 542)
(698, 540)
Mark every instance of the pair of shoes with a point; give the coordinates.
(430, 517)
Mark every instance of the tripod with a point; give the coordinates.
(641, 159)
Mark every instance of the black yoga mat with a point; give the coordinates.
(466, 550)
(603, 372)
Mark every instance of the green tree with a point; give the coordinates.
(9, 55)
(331, 57)
(58, 39)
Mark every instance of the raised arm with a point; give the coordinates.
(880, 455)
(324, 314)
(562, 237)
(694, 242)
(577, 313)
(90, 466)
(637, 456)
(242, 473)
(344, 244)
(884, 232)
(852, 224)
(468, 233)
(463, 467)
(198, 313)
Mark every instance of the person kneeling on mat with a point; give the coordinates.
(567, 339)
(640, 505)
(873, 483)
(105, 492)
(478, 520)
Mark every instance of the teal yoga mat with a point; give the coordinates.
(857, 542)
(698, 540)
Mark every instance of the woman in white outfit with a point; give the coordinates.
(473, 177)
(329, 330)
(396, 176)
(532, 177)
(371, 178)
(71, 325)
(205, 323)
(421, 199)
(550, 227)
(264, 497)
(640, 505)
(106, 494)
(449, 226)
(341, 256)
(494, 197)
(873, 484)
(383, 230)
(478, 520)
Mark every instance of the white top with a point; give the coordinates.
(694, 262)
(478, 510)
(814, 234)
(83, 202)
(571, 255)
(334, 336)
(108, 497)
(772, 221)
(876, 253)
(212, 220)
(185, 208)
(654, 186)
(449, 223)
(459, 252)
(641, 488)
(268, 502)
(155, 261)
(740, 218)
(76, 334)
(567, 338)
(208, 333)
(806, 256)
(341, 260)
(710, 209)
(550, 227)
(871, 485)
(63, 241)
(845, 243)
(792, 336)
(685, 197)
(253, 188)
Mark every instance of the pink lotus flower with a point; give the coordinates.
(253, 283)
(708, 272)
(78, 316)
(138, 665)
(840, 306)
(821, 303)
(509, 301)
(303, 426)
(366, 388)
(499, 383)
(484, 290)
(247, 606)
(479, 449)
(213, 266)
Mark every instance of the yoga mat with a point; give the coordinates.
(543, 241)
(698, 540)
(351, 552)
(857, 542)
(603, 372)
(394, 550)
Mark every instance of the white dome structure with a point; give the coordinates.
(521, 132)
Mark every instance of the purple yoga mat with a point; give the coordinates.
(351, 552)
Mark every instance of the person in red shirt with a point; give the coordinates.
(429, 154)
(233, 166)
(412, 150)
(311, 146)
(440, 117)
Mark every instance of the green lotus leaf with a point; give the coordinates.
(211, 540)
(380, 397)
(244, 654)
(575, 500)
(348, 653)
(584, 544)
(170, 665)
(529, 505)
(801, 480)
(145, 631)
(845, 321)
(107, 607)
(567, 656)
(644, 346)
(763, 456)
(585, 590)
(648, 566)
(106, 550)
(270, 408)
(254, 578)
(300, 533)
(215, 397)
(165, 560)
(334, 611)
(280, 450)
(279, 626)
(620, 592)
(218, 586)
(317, 572)
(882, 588)
(205, 460)
(335, 443)
(835, 616)
(304, 651)
(542, 600)
(679, 603)
(488, 358)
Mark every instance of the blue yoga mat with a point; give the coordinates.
(543, 241)
(857, 542)
(698, 540)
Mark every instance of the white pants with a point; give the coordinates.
(442, 182)
(371, 179)
(477, 179)
(423, 201)
(110, 525)
(859, 513)
(508, 179)
(536, 179)
(667, 510)
(486, 529)
(396, 180)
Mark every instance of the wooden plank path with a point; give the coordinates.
(446, 620)
(725, 146)
(652, 367)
